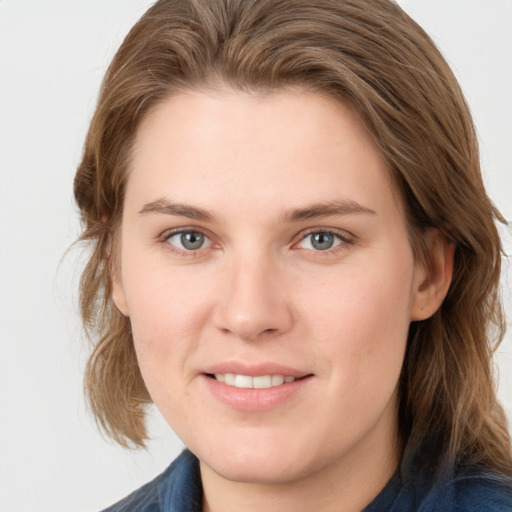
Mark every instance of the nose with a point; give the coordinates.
(254, 302)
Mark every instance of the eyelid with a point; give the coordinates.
(345, 237)
(168, 234)
(185, 229)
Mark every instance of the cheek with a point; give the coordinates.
(361, 319)
(163, 327)
(161, 313)
(169, 308)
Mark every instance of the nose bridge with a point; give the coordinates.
(254, 302)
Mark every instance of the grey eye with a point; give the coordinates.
(188, 240)
(192, 241)
(320, 241)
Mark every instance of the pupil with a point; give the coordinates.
(322, 241)
(192, 240)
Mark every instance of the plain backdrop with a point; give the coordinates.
(52, 57)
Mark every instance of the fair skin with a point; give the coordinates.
(261, 237)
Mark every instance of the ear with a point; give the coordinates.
(117, 289)
(118, 295)
(432, 277)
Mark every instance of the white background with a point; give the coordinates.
(52, 57)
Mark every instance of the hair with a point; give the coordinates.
(371, 56)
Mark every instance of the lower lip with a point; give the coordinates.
(255, 400)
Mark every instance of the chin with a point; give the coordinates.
(272, 463)
(256, 471)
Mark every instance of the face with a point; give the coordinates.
(266, 270)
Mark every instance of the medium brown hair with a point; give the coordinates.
(367, 54)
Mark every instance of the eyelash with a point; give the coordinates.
(345, 239)
(182, 252)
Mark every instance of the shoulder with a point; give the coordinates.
(419, 491)
(177, 488)
(476, 493)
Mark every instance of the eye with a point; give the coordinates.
(188, 240)
(321, 241)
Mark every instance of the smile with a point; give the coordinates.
(249, 382)
(256, 390)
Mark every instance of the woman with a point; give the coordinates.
(295, 259)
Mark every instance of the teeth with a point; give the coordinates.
(243, 381)
(259, 382)
(262, 382)
(277, 380)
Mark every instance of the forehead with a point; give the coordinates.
(284, 146)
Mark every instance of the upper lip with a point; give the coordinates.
(254, 369)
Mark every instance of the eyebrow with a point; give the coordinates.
(181, 210)
(340, 207)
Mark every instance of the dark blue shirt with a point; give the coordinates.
(178, 489)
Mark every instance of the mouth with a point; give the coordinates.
(253, 382)
(256, 387)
